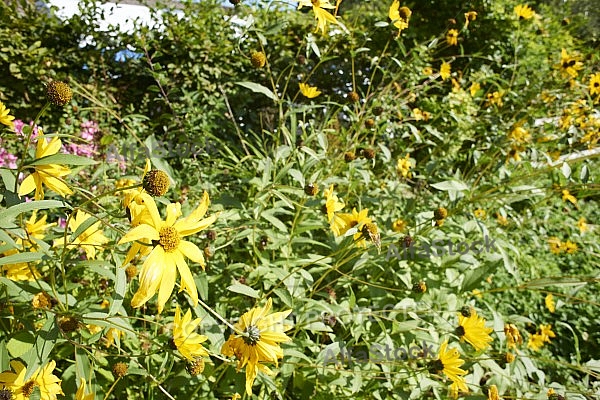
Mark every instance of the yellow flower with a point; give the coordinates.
(567, 196)
(322, 16)
(427, 71)
(556, 245)
(537, 340)
(493, 393)
(48, 384)
(582, 225)
(494, 98)
(18, 271)
(332, 205)
(449, 362)
(356, 220)
(168, 255)
(452, 37)
(477, 293)
(475, 87)
(399, 15)
(5, 117)
(309, 91)
(569, 247)
(187, 341)
(113, 335)
(479, 213)
(513, 336)
(257, 340)
(519, 135)
(48, 174)
(473, 330)
(470, 16)
(236, 396)
(569, 64)
(445, 70)
(595, 84)
(549, 300)
(80, 395)
(36, 229)
(399, 225)
(524, 12)
(403, 166)
(89, 239)
(502, 220)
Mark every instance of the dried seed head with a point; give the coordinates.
(440, 213)
(349, 156)
(311, 189)
(353, 97)
(131, 272)
(42, 300)
(119, 370)
(59, 93)
(369, 154)
(156, 182)
(195, 367)
(258, 59)
(369, 123)
(68, 324)
(419, 287)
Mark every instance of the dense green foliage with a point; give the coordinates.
(507, 143)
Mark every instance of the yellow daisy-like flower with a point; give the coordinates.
(546, 332)
(399, 225)
(321, 15)
(473, 330)
(403, 166)
(582, 225)
(502, 220)
(399, 15)
(479, 213)
(309, 91)
(452, 37)
(570, 64)
(556, 245)
(168, 255)
(448, 363)
(427, 71)
(445, 70)
(356, 219)
(257, 340)
(36, 229)
(494, 99)
(80, 395)
(5, 117)
(549, 301)
(88, 240)
(18, 271)
(48, 384)
(569, 247)
(513, 336)
(185, 339)
(47, 174)
(595, 84)
(535, 342)
(524, 11)
(332, 205)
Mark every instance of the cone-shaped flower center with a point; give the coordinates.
(460, 331)
(253, 335)
(169, 238)
(436, 366)
(27, 389)
(156, 182)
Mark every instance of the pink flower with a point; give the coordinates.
(7, 159)
(18, 126)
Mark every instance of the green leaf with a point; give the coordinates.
(258, 88)
(21, 258)
(10, 213)
(120, 288)
(44, 343)
(450, 185)
(243, 289)
(20, 344)
(63, 159)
